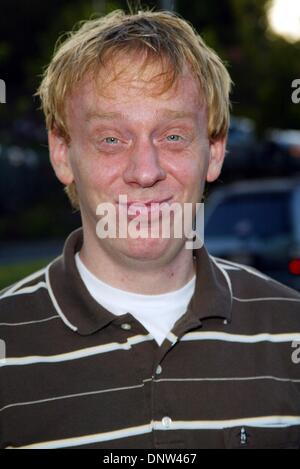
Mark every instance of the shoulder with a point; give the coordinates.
(31, 282)
(260, 304)
(249, 285)
(22, 300)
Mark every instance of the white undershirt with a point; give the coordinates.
(157, 313)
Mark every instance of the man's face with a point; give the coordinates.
(126, 140)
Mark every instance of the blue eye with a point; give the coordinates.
(174, 138)
(111, 140)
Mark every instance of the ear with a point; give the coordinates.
(216, 159)
(60, 157)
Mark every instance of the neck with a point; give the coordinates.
(136, 276)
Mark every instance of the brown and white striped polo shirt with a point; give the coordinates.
(76, 376)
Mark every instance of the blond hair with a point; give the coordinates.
(159, 35)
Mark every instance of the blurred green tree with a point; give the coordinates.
(262, 65)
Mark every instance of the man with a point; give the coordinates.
(136, 341)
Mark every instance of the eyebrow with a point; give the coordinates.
(178, 114)
(102, 115)
(169, 113)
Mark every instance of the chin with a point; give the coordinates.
(147, 249)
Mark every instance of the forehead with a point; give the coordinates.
(122, 83)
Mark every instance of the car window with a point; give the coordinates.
(259, 215)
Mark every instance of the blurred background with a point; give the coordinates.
(252, 211)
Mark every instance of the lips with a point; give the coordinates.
(147, 203)
(152, 206)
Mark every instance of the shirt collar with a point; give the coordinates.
(79, 310)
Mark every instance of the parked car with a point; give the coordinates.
(257, 223)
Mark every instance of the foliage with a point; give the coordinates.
(12, 273)
(262, 65)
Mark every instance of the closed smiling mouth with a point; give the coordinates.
(133, 207)
(142, 203)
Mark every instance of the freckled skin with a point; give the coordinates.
(136, 154)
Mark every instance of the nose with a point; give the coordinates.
(143, 166)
